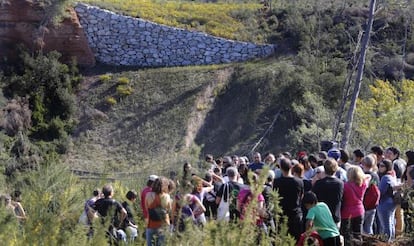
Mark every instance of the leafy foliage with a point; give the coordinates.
(123, 81)
(124, 90)
(111, 101)
(105, 77)
(387, 116)
(49, 87)
(53, 200)
(145, 131)
(16, 116)
(316, 122)
(55, 9)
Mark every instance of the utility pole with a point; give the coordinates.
(358, 81)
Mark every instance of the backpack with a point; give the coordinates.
(232, 199)
(157, 212)
(229, 199)
(371, 197)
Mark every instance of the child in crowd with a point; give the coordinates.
(319, 217)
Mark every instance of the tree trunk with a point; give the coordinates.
(357, 88)
(346, 89)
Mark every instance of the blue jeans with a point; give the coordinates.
(155, 237)
(369, 218)
(386, 216)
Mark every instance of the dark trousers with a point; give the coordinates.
(234, 215)
(211, 209)
(332, 241)
(351, 229)
(295, 225)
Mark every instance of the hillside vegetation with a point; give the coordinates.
(300, 88)
(130, 118)
(135, 122)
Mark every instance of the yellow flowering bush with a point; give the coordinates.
(218, 19)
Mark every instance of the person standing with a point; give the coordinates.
(386, 206)
(18, 208)
(330, 189)
(291, 190)
(319, 217)
(158, 204)
(229, 192)
(88, 214)
(144, 193)
(257, 164)
(408, 178)
(368, 165)
(352, 210)
(399, 165)
(335, 154)
(378, 152)
(358, 155)
(109, 208)
(129, 225)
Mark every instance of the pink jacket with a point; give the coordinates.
(352, 200)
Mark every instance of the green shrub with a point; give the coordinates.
(49, 86)
(123, 81)
(111, 101)
(105, 77)
(124, 90)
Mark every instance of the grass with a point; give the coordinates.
(146, 126)
(228, 20)
(153, 128)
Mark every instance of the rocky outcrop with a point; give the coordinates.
(20, 23)
(124, 40)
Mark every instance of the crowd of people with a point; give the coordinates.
(330, 196)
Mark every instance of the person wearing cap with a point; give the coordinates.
(322, 155)
(144, 192)
(301, 154)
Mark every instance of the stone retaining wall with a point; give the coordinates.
(123, 40)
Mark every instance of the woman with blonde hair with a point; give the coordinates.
(369, 165)
(352, 210)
